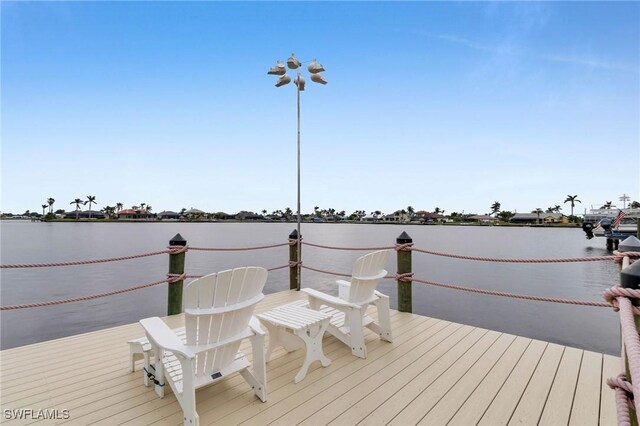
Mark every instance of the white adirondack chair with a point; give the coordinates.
(348, 310)
(218, 311)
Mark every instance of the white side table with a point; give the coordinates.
(309, 327)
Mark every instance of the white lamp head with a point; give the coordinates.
(279, 69)
(293, 62)
(285, 79)
(299, 81)
(314, 67)
(318, 78)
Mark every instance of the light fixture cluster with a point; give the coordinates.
(293, 63)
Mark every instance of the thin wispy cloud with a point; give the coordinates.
(510, 50)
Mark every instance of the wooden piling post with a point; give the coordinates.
(176, 266)
(294, 271)
(638, 228)
(610, 244)
(405, 303)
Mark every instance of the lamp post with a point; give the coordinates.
(624, 200)
(315, 69)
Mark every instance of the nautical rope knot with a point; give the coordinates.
(404, 247)
(178, 249)
(293, 242)
(624, 398)
(406, 277)
(611, 295)
(174, 278)
(293, 263)
(618, 255)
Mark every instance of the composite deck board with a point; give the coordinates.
(434, 372)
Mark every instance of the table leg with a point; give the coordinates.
(312, 337)
(279, 337)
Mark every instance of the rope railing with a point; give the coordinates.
(410, 247)
(171, 278)
(83, 262)
(627, 385)
(408, 277)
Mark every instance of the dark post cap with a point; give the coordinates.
(293, 235)
(404, 238)
(630, 243)
(177, 240)
(630, 276)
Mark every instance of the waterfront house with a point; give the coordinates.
(481, 218)
(533, 218)
(168, 215)
(136, 213)
(84, 214)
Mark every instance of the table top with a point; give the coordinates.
(294, 315)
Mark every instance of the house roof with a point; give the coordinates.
(481, 217)
(132, 211)
(193, 211)
(168, 213)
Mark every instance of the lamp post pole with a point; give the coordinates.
(315, 69)
(299, 241)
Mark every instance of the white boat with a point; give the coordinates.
(604, 216)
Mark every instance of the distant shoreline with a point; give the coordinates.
(345, 222)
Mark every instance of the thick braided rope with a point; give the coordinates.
(89, 262)
(171, 278)
(409, 278)
(239, 248)
(632, 344)
(612, 294)
(322, 271)
(623, 391)
(347, 248)
(615, 257)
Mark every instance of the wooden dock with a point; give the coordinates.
(435, 372)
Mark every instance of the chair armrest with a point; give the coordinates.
(343, 289)
(159, 333)
(255, 326)
(329, 299)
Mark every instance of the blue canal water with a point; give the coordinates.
(26, 242)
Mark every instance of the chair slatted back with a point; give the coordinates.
(227, 289)
(367, 271)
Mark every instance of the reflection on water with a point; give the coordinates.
(584, 327)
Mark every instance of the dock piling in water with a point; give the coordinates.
(294, 269)
(405, 303)
(176, 266)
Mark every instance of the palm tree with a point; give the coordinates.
(264, 212)
(142, 206)
(538, 211)
(149, 208)
(119, 206)
(573, 199)
(287, 213)
(92, 200)
(505, 215)
(50, 202)
(411, 212)
(495, 207)
(77, 202)
(44, 206)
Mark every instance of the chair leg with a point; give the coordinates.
(147, 368)
(189, 413)
(358, 347)
(159, 372)
(258, 380)
(384, 318)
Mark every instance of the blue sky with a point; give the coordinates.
(449, 105)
